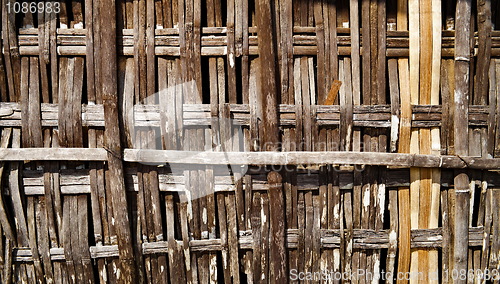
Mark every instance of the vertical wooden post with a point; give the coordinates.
(462, 78)
(10, 238)
(461, 236)
(270, 139)
(126, 272)
(268, 76)
(414, 88)
(461, 122)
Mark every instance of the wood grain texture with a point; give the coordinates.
(462, 77)
(369, 130)
(112, 140)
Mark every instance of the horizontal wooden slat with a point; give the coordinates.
(362, 239)
(53, 154)
(199, 115)
(214, 42)
(78, 181)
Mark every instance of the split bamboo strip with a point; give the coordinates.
(404, 147)
(461, 190)
(414, 60)
(434, 132)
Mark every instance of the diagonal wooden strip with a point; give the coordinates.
(332, 94)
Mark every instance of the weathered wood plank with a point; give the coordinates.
(278, 254)
(175, 257)
(314, 235)
(43, 238)
(151, 116)
(330, 238)
(269, 104)
(269, 90)
(435, 132)
(252, 158)
(497, 138)
(30, 216)
(461, 100)
(312, 158)
(495, 229)
(232, 237)
(462, 62)
(404, 253)
(11, 51)
(3, 74)
(66, 238)
(112, 142)
(256, 234)
(70, 154)
(484, 25)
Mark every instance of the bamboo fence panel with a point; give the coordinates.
(301, 141)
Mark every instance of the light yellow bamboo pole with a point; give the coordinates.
(435, 133)
(414, 36)
(404, 251)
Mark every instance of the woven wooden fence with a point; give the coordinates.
(188, 141)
